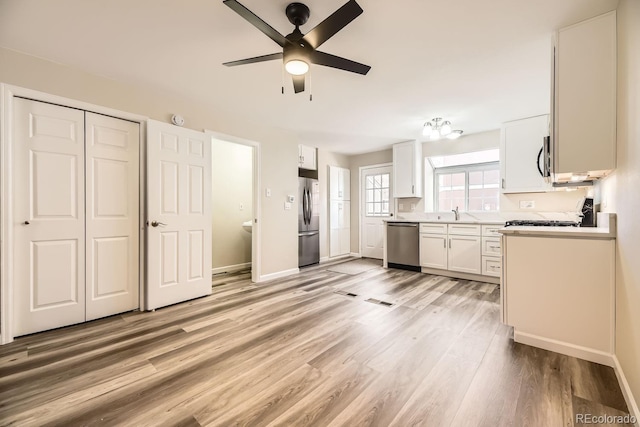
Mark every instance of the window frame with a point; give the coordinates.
(475, 167)
(382, 202)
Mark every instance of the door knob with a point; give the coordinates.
(26, 223)
(156, 223)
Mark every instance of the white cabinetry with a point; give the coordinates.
(339, 211)
(491, 250)
(306, 157)
(339, 183)
(564, 301)
(522, 155)
(453, 247)
(464, 248)
(407, 169)
(584, 99)
(339, 223)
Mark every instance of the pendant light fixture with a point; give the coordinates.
(438, 128)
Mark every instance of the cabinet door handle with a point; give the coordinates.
(503, 183)
(413, 189)
(444, 243)
(449, 243)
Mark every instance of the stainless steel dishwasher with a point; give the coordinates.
(403, 245)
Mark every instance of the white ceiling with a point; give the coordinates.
(476, 63)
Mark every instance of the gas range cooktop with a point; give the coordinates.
(541, 223)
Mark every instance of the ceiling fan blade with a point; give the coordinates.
(298, 83)
(334, 23)
(328, 60)
(255, 59)
(257, 22)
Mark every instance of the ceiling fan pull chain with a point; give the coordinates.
(282, 68)
(310, 92)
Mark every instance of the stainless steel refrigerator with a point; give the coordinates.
(308, 221)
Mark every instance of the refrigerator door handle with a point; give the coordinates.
(308, 233)
(308, 206)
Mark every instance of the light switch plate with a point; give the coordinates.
(267, 192)
(287, 206)
(527, 204)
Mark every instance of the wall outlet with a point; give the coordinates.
(400, 206)
(267, 192)
(527, 204)
(287, 206)
(241, 206)
(413, 206)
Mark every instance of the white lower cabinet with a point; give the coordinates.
(460, 247)
(433, 251)
(464, 254)
(340, 228)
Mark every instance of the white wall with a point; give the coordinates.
(620, 193)
(279, 149)
(232, 191)
(326, 159)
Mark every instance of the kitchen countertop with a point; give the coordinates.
(462, 221)
(606, 230)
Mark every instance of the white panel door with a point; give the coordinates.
(179, 215)
(377, 205)
(48, 217)
(112, 195)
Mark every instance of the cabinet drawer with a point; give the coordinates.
(491, 266)
(432, 228)
(491, 246)
(464, 229)
(491, 230)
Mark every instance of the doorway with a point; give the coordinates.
(376, 205)
(235, 203)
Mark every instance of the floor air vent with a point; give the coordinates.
(377, 301)
(347, 294)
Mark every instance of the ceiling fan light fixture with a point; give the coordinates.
(426, 129)
(455, 134)
(435, 134)
(296, 67)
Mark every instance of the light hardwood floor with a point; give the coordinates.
(300, 351)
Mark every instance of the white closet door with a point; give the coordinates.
(48, 175)
(179, 215)
(112, 215)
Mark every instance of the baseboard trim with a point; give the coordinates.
(460, 275)
(626, 390)
(278, 275)
(561, 347)
(337, 257)
(231, 268)
(355, 254)
(324, 259)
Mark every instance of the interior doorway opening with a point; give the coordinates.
(234, 196)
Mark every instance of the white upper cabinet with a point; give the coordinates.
(339, 183)
(584, 99)
(407, 169)
(522, 155)
(307, 157)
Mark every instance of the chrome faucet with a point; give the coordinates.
(455, 211)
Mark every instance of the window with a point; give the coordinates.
(470, 181)
(377, 195)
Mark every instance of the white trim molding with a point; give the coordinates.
(278, 275)
(231, 268)
(561, 347)
(632, 404)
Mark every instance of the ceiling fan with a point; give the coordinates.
(299, 50)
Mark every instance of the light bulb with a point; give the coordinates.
(446, 128)
(455, 134)
(296, 67)
(435, 134)
(426, 129)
